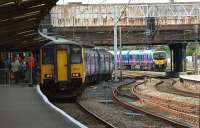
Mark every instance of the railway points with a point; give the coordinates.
(150, 106)
(113, 113)
(186, 108)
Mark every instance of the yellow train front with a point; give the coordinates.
(159, 61)
(62, 70)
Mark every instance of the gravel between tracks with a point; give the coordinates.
(150, 89)
(98, 99)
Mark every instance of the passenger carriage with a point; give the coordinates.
(66, 66)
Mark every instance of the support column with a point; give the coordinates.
(178, 55)
(171, 57)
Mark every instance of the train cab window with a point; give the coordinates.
(47, 56)
(159, 55)
(76, 55)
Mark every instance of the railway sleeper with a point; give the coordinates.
(191, 119)
(181, 104)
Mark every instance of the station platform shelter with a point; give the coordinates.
(21, 105)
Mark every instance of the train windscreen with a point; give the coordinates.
(76, 55)
(47, 56)
(159, 55)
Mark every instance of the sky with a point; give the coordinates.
(121, 1)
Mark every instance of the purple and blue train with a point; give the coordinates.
(143, 60)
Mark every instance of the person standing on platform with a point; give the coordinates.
(15, 69)
(31, 65)
(7, 62)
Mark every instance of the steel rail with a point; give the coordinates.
(96, 116)
(175, 108)
(156, 116)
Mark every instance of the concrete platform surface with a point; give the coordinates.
(24, 108)
(191, 77)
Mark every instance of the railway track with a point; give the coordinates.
(119, 98)
(145, 105)
(181, 110)
(83, 115)
(185, 111)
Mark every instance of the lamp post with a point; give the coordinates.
(115, 15)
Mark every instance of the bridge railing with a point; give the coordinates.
(134, 14)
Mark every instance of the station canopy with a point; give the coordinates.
(19, 22)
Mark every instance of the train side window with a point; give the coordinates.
(86, 58)
(76, 56)
(106, 60)
(133, 57)
(137, 57)
(47, 56)
(101, 58)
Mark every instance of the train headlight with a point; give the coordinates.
(48, 75)
(76, 74)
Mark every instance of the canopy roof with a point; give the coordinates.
(19, 22)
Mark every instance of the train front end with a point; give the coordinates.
(159, 60)
(61, 69)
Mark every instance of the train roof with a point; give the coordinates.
(103, 51)
(159, 51)
(141, 52)
(112, 52)
(125, 52)
(61, 41)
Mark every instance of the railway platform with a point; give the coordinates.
(24, 107)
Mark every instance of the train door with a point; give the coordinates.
(62, 63)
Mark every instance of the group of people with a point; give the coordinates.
(21, 68)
